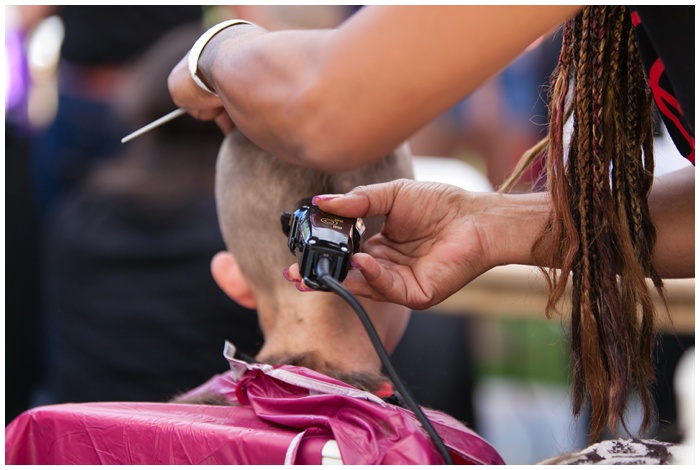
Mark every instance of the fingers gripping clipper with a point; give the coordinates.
(314, 234)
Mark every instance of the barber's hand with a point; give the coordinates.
(431, 244)
(199, 103)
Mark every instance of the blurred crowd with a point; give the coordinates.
(109, 293)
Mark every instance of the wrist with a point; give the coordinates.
(512, 225)
(203, 80)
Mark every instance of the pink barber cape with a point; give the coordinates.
(279, 415)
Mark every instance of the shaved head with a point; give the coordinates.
(253, 188)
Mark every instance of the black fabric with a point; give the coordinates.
(436, 364)
(133, 311)
(22, 267)
(96, 35)
(666, 38)
(668, 351)
(395, 399)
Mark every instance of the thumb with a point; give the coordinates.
(363, 201)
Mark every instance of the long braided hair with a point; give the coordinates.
(600, 235)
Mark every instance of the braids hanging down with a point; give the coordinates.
(600, 233)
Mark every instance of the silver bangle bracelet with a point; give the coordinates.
(198, 47)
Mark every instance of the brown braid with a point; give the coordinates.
(600, 234)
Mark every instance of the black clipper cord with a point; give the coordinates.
(324, 277)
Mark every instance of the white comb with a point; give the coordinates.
(158, 122)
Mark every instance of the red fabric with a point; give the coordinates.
(668, 106)
(147, 434)
(271, 407)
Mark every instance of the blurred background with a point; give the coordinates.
(107, 246)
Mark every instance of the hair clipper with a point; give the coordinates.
(314, 234)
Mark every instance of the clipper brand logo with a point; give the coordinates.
(335, 223)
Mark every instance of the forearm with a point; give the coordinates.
(672, 209)
(336, 100)
(514, 222)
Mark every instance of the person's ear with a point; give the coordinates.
(230, 279)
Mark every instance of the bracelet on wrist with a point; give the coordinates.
(198, 47)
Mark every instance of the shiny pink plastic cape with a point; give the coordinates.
(279, 415)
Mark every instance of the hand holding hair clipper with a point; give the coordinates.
(314, 234)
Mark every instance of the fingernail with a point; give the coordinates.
(325, 197)
(303, 288)
(355, 265)
(285, 273)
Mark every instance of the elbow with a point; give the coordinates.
(320, 143)
(324, 151)
(324, 135)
